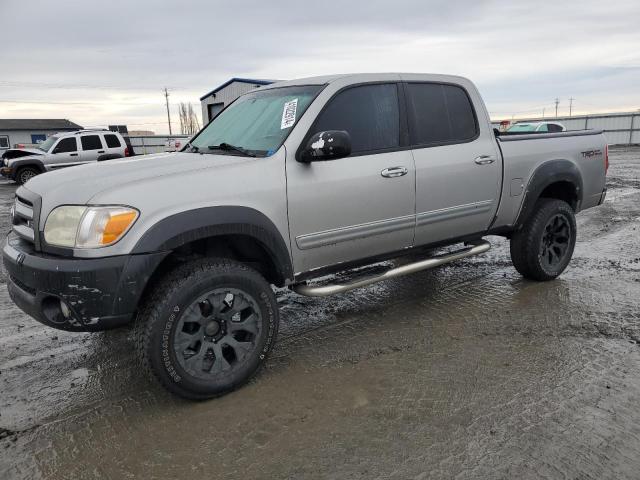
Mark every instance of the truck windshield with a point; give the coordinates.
(46, 145)
(522, 127)
(257, 123)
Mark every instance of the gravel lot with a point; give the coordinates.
(467, 371)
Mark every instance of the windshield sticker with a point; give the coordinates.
(289, 114)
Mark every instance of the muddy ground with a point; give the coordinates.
(467, 371)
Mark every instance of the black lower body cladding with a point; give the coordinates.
(75, 294)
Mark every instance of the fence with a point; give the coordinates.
(618, 128)
(143, 145)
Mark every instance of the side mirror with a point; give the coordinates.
(328, 145)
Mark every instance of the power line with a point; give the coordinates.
(93, 104)
(8, 83)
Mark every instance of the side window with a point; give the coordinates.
(554, 127)
(369, 113)
(66, 145)
(440, 114)
(112, 141)
(543, 128)
(4, 141)
(91, 142)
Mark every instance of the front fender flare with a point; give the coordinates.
(185, 227)
(18, 163)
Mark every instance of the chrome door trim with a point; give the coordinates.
(450, 213)
(354, 232)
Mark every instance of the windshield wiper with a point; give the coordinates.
(193, 148)
(229, 147)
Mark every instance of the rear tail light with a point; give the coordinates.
(606, 158)
(126, 152)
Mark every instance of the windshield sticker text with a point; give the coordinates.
(289, 114)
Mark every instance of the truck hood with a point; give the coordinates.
(21, 152)
(78, 185)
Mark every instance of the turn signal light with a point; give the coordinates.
(116, 226)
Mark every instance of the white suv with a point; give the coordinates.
(64, 149)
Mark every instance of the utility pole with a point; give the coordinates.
(543, 109)
(571, 105)
(557, 102)
(166, 96)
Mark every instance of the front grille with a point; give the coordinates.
(23, 219)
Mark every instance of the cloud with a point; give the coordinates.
(116, 57)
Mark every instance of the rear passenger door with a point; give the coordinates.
(351, 208)
(458, 165)
(92, 147)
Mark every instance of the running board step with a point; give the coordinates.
(331, 289)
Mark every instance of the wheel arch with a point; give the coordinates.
(236, 232)
(28, 162)
(559, 179)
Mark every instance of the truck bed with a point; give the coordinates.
(524, 153)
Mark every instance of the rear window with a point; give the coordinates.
(112, 141)
(522, 127)
(440, 114)
(91, 142)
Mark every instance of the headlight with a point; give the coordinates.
(88, 227)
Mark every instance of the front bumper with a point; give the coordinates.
(100, 293)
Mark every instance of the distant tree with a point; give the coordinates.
(189, 123)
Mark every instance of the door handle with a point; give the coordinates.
(484, 160)
(73, 154)
(100, 151)
(393, 172)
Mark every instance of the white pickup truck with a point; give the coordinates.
(287, 184)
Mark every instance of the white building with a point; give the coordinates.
(25, 132)
(220, 97)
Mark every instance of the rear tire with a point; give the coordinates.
(543, 247)
(207, 328)
(25, 174)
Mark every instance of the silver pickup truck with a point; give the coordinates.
(289, 184)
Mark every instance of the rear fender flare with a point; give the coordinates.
(546, 174)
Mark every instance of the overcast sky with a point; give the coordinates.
(100, 63)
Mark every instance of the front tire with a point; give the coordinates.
(207, 328)
(25, 174)
(543, 247)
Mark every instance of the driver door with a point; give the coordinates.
(362, 205)
(64, 154)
